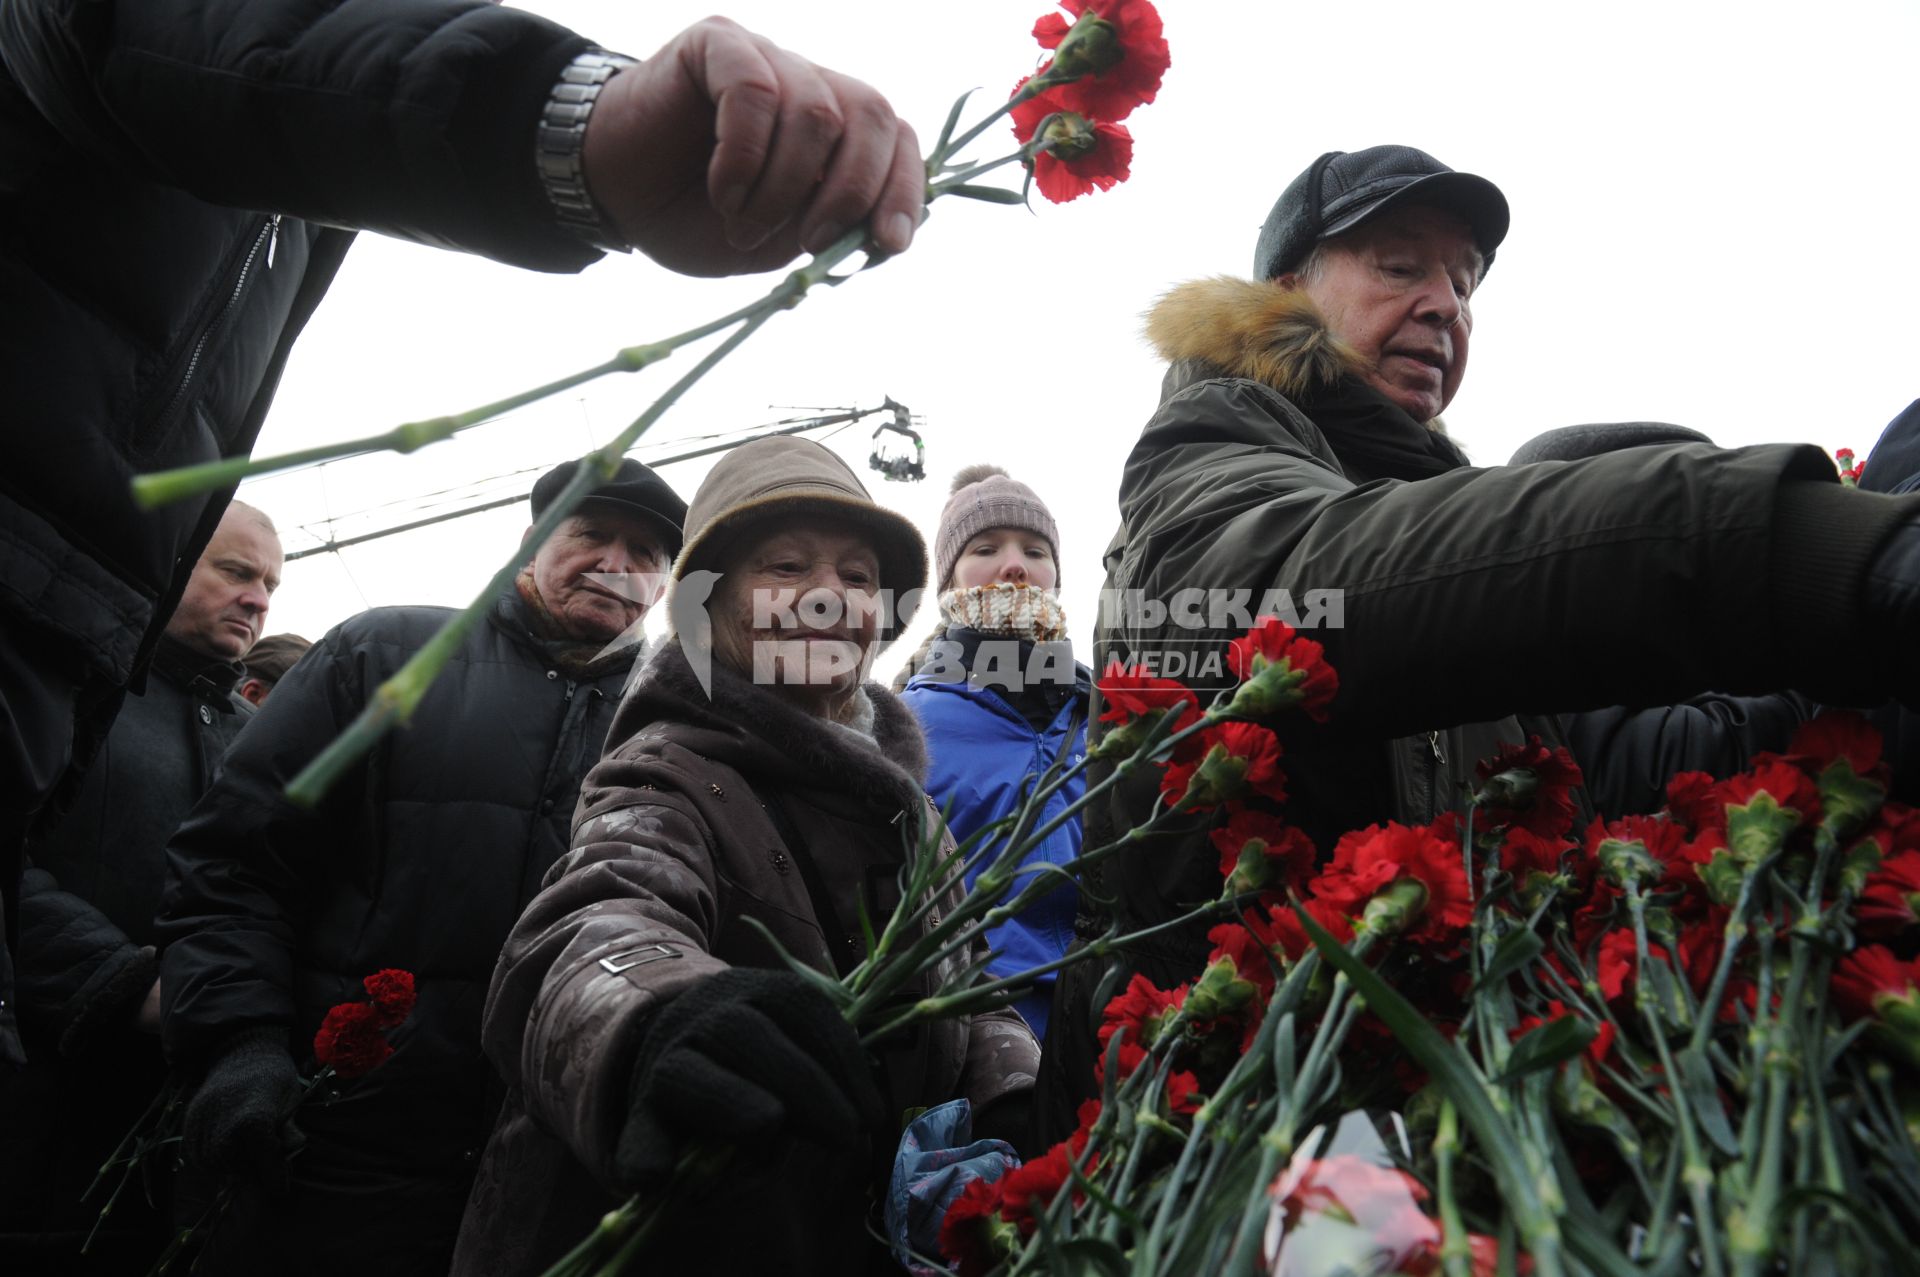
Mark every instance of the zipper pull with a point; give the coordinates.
(1433, 743)
(273, 238)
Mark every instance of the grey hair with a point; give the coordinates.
(1313, 265)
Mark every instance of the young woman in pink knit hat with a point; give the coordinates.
(1000, 696)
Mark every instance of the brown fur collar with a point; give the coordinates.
(1260, 331)
(754, 731)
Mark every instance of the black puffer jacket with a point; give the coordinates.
(168, 172)
(420, 858)
(87, 911)
(87, 938)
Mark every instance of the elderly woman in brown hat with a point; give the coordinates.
(752, 775)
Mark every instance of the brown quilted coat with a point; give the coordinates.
(675, 848)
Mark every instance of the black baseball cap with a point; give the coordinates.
(1343, 189)
(634, 489)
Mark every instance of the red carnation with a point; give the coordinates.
(1183, 1093)
(1367, 865)
(1787, 785)
(1279, 670)
(1082, 154)
(1242, 944)
(1615, 961)
(1833, 735)
(1872, 984)
(392, 993)
(1691, 801)
(1142, 1011)
(1127, 695)
(1117, 49)
(1646, 848)
(1028, 1190)
(1867, 980)
(1890, 902)
(1282, 933)
(1529, 785)
(971, 1233)
(1259, 852)
(1237, 759)
(350, 1041)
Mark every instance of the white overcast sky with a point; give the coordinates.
(1713, 223)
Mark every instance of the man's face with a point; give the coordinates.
(225, 604)
(1397, 291)
(573, 569)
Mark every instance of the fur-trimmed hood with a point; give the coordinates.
(754, 731)
(1252, 329)
(1245, 328)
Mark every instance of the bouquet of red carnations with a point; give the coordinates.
(1498, 1043)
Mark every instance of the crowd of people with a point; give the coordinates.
(596, 856)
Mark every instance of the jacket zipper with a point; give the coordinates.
(268, 237)
(1433, 775)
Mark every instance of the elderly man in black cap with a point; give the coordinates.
(1298, 448)
(420, 859)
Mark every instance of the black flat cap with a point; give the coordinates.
(1343, 189)
(1575, 443)
(634, 489)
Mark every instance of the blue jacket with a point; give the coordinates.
(982, 750)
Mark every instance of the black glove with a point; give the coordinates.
(240, 1120)
(745, 1057)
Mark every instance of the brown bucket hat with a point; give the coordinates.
(787, 477)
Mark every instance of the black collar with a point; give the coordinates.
(195, 671)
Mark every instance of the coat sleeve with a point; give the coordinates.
(80, 975)
(411, 117)
(239, 868)
(1629, 755)
(624, 923)
(1641, 577)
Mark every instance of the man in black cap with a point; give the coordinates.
(1298, 447)
(421, 858)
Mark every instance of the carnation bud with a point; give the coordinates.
(1272, 687)
(1390, 912)
(1089, 47)
(1219, 991)
(1722, 877)
(1848, 800)
(1627, 861)
(1508, 789)
(1760, 828)
(1898, 1027)
(1860, 863)
(1065, 135)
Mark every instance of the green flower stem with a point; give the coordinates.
(978, 997)
(1032, 88)
(982, 905)
(913, 909)
(153, 490)
(1456, 1254)
(396, 699)
(1734, 934)
(961, 177)
(1697, 1175)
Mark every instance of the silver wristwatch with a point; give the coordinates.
(558, 141)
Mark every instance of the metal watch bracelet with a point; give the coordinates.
(559, 142)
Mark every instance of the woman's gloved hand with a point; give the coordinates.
(746, 1057)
